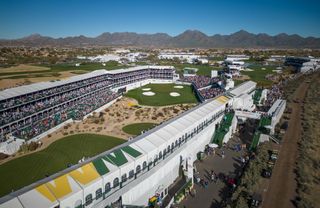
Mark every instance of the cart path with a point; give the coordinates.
(282, 187)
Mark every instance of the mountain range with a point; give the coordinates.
(187, 39)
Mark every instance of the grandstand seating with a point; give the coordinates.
(48, 104)
(204, 85)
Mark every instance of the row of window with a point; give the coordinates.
(145, 166)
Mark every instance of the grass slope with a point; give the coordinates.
(162, 96)
(258, 75)
(136, 128)
(27, 169)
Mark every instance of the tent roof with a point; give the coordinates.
(243, 88)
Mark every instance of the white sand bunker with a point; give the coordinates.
(174, 94)
(178, 86)
(146, 89)
(148, 93)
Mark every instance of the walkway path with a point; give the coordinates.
(212, 196)
(282, 186)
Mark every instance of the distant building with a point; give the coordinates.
(237, 57)
(203, 61)
(189, 71)
(303, 64)
(188, 57)
(235, 65)
(276, 58)
(236, 62)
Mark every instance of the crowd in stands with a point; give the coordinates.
(208, 93)
(273, 94)
(22, 111)
(75, 110)
(48, 92)
(31, 114)
(200, 81)
(203, 85)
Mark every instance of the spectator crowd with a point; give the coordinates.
(204, 85)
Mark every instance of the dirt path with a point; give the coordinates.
(281, 191)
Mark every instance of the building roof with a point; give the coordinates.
(274, 110)
(243, 88)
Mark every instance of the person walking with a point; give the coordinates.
(212, 177)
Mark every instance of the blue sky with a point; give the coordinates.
(61, 18)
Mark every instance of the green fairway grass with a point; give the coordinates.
(25, 170)
(136, 128)
(162, 95)
(258, 75)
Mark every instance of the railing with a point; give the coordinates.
(182, 191)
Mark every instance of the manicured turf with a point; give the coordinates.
(136, 128)
(162, 96)
(27, 169)
(258, 75)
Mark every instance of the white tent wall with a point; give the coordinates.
(126, 168)
(110, 176)
(148, 147)
(166, 175)
(199, 143)
(76, 194)
(234, 124)
(91, 189)
(142, 158)
(13, 203)
(72, 199)
(231, 130)
(277, 115)
(161, 178)
(263, 95)
(32, 199)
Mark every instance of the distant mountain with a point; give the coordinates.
(187, 39)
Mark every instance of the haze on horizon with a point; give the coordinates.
(60, 18)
